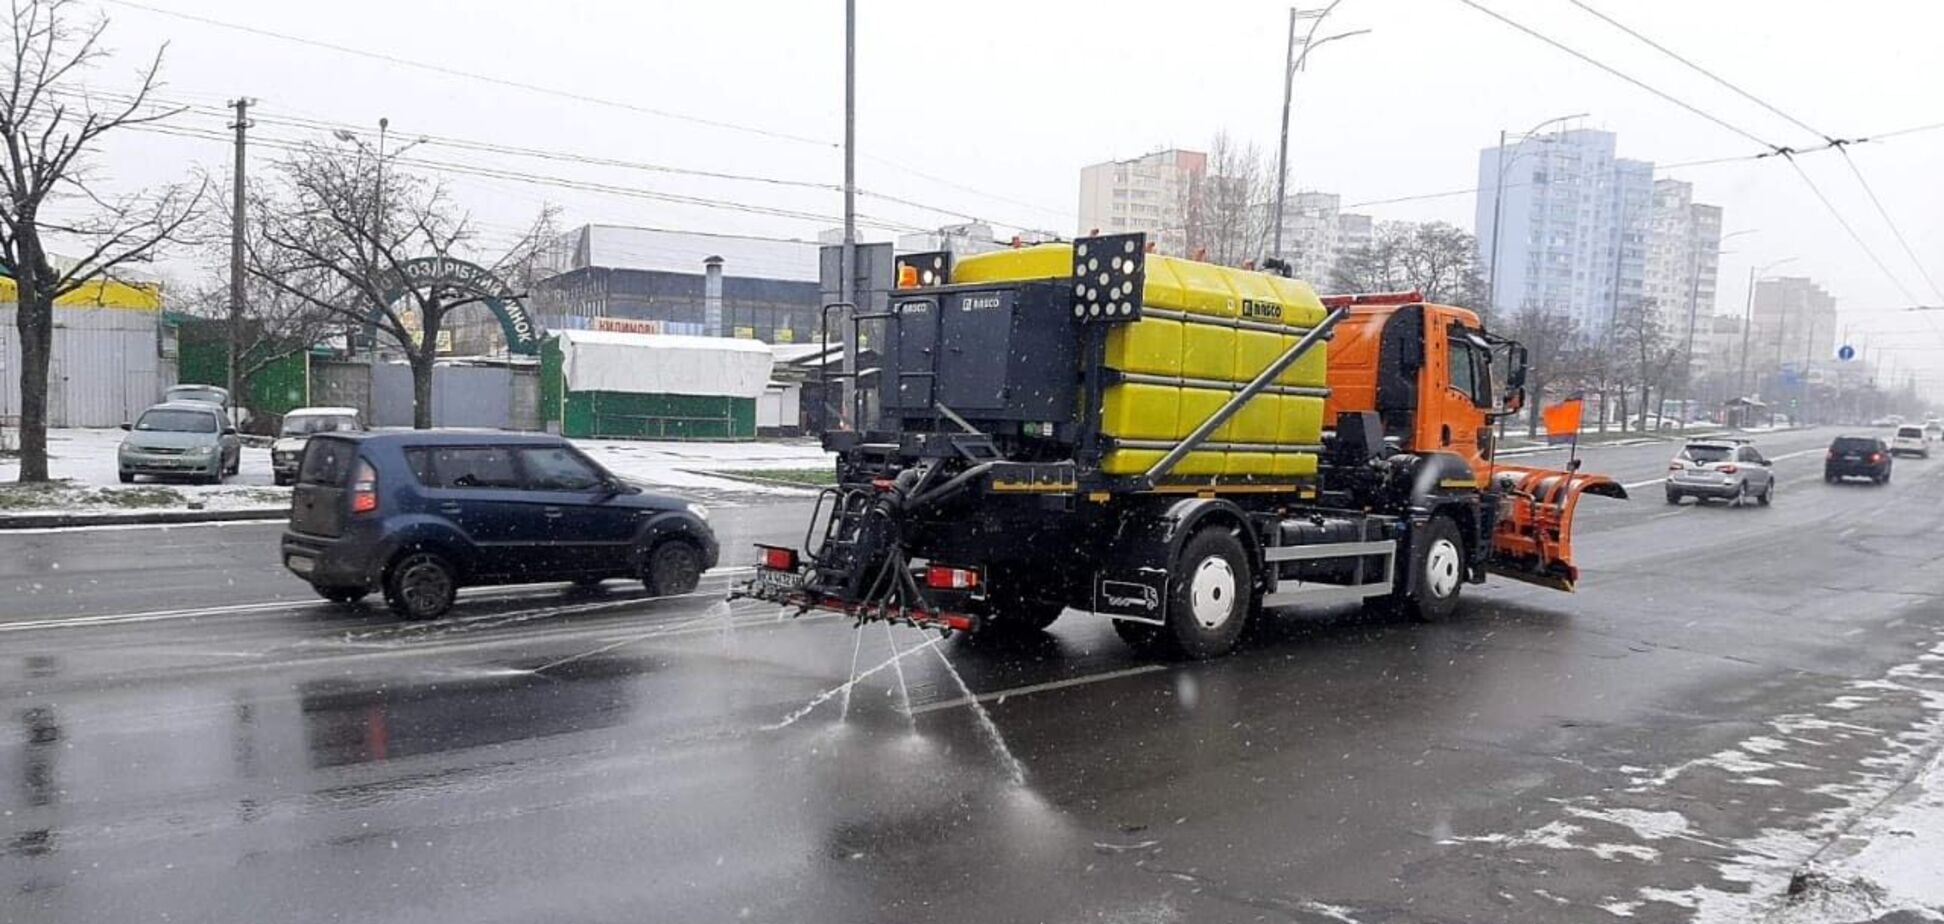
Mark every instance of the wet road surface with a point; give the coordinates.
(191, 736)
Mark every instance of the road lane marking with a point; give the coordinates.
(481, 594)
(1032, 688)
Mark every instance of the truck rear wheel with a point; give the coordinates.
(1211, 596)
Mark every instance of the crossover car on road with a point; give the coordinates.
(1857, 457)
(298, 427)
(1730, 470)
(1910, 441)
(183, 438)
(419, 514)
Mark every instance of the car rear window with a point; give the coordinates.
(1913, 432)
(463, 466)
(327, 461)
(1853, 444)
(1707, 454)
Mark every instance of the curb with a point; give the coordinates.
(754, 479)
(146, 518)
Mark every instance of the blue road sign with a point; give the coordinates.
(1845, 352)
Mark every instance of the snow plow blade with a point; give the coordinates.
(1534, 538)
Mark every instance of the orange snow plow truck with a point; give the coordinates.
(1173, 445)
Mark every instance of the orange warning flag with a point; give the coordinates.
(1563, 421)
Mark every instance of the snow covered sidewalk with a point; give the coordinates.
(1888, 867)
(87, 484)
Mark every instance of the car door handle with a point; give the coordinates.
(550, 512)
(449, 507)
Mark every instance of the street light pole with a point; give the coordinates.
(1293, 62)
(1694, 300)
(1748, 321)
(1498, 201)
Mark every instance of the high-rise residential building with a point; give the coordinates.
(1151, 193)
(1354, 232)
(1573, 227)
(1792, 326)
(1315, 233)
(1683, 257)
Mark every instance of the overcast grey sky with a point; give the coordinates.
(990, 109)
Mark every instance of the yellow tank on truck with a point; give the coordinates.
(1205, 331)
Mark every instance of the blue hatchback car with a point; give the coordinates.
(418, 514)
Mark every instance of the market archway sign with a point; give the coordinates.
(523, 333)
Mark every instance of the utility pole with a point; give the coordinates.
(847, 263)
(242, 126)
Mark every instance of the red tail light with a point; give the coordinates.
(1876, 457)
(1832, 453)
(364, 488)
(946, 577)
(779, 559)
(1727, 470)
(1676, 467)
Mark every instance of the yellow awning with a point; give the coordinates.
(99, 293)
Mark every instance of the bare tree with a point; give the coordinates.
(1435, 258)
(49, 125)
(337, 234)
(1549, 337)
(1651, 354)
(1222, 210)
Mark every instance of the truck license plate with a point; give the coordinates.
(778, 580)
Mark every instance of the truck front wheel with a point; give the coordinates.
(1211, 595)
(1437, 562)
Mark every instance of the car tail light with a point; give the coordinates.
(946, 577)
(1876, 457)
(1727, 470)
(779, 559)
(1832, 453)
(1676, 467)
(364, 488)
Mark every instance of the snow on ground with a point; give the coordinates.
(680, 465)
(85, 459)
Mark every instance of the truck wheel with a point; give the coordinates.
(674, 567)
(1211, 595)
(1438, 570)
(420, 585)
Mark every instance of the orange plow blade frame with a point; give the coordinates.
(1533, 541)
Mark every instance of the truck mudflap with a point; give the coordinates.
(1533, 539)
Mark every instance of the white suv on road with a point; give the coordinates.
(1910, 441)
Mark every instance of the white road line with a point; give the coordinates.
(483, 594)
(1030, 689)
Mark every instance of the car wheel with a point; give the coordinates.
(674, 567)
(1768, 494)
(126, 477)
(1829, 478)
(280, 479)
(1741, 496)
(344, 595)
(420, 585)
(1673, 497)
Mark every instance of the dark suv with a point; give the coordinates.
(418, 514)
(1857, 457)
